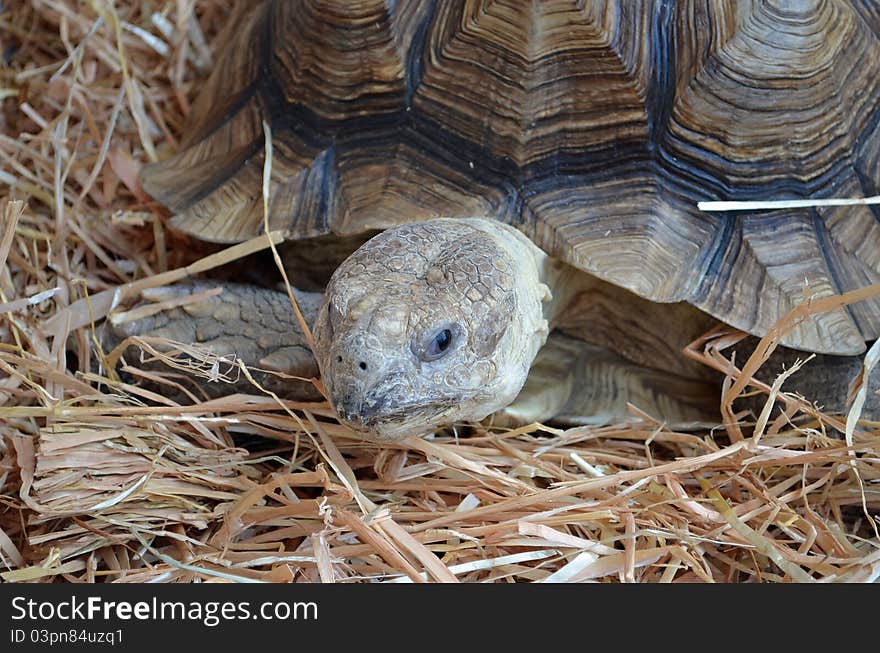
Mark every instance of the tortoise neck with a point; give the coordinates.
(565, 283)
(553, 283)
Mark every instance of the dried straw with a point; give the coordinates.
(103, 480)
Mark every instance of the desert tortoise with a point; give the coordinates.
(535, 167)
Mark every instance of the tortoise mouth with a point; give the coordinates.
(413, 418)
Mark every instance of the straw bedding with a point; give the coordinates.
(104, 479)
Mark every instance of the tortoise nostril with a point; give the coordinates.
(339, 359)
(362, 365)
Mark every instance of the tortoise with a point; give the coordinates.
(524, 178)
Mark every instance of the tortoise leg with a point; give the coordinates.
(573, 382)
(254, 325)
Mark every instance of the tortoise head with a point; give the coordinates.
(431, 323)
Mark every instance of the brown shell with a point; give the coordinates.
(594, 126)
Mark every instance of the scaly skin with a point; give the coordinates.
(255, 324)
(480, 280)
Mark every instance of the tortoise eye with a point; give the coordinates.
(437, 345)
(441, 342)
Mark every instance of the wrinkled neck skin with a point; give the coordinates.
(566, 282)
(477, 289)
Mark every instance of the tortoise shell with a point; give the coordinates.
(594, 126)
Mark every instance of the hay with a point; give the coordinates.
(106, 481)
